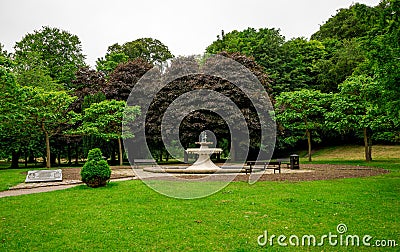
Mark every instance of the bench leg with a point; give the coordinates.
(249, 169)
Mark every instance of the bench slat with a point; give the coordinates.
(276, 165)
(144, 161)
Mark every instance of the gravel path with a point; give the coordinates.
(17, 192)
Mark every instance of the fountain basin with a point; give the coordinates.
(188, 170)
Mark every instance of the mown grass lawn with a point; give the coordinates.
(130, 216)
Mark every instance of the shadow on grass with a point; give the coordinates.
(108, 186)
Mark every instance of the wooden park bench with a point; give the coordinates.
(138, 162)
(284, 161)
(275, 165)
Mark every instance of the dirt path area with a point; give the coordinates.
(321, 172)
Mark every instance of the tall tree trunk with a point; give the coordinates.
(47, 138)
(69, 154)
(59, 158)
(160, 154)
(26, 158)
(113, 161)
(53, 160)
(370, 146)
(309, 144)
(14, 159)
(121, 156)
(76, 154)
(32, 158)
(366, 146)
(48, 156)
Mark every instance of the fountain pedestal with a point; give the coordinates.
(203, 162)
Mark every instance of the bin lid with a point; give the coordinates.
(294, 155)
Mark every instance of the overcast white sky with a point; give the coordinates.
(186, 27)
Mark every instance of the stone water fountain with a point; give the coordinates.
(203, 163)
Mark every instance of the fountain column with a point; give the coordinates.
(204, 162)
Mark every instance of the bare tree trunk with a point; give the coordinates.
(76, 154)
(32, 158)
(59, 158)
(14, 159)
(309, 144)
(161, 154)
(366, 146)
(48, 158)
(113, 160)
(47, 138)
(370, 146)
(26, 158)
(69, 154)
(121, 161)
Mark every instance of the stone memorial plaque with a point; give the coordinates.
(44, 176)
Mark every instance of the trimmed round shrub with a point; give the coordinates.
(96, 171)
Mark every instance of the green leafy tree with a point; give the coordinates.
(56, 53)
(344, 36)
(5, 57)
(110, 62)
(26, 112)
(291, 64)
(104, 119)
(383, 58)
(48, 112)
(342, 59)
(16, 136)
(355, 21)
(37, 77)
(301, 114)
(300, 57)
(14, 133)
(151, 50)
(90, 141)
(263, 44)
(357, 107)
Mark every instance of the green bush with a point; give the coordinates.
(95, 172)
